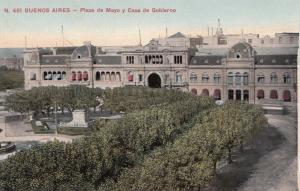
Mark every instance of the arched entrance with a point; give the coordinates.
(154, 81)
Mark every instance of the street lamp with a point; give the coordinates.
(55, 117)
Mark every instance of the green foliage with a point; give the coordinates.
(128, 99)
(11, 79)
(43, 98)
(74, 130)
(170, 143)
(189, 163)
(121, 144)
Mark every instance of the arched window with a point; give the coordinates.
(205, 78)
(113, 76)
(205, 92)
(107, 76)
(194, 91)
(98, 76)
(261, 78)
(54, 76)
(157, 59)
(217, 78)
(193, 77)
(273, 94)
(260, 94)
(79, 76)
(178, 77)
(217, 94)
(146, 59)
(130, 76)
(286, 96)
(286, 78)
(230, 94)
(59, 76)
(118, 76)
(153, 59)
(63, 75)
(238, 78)
(85, 76)
(273, 77)
(102, 76)
(245, 78)
(49, 76)
(230, 78)
(161, 59)
(246, 95)
(73, 76)
(45, 75)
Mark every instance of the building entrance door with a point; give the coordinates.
(154, 81)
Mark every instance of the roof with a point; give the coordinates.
(212, 51)
(206, 60)
(108, 60)
(276, 50)
(177, 35)
(276, 59)
(65, 50)
(54, 59)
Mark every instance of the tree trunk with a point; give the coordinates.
(215, 167)
(229, 158)
(241, 147)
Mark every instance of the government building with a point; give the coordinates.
(223, 66)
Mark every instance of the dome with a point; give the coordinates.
(241, 50)
(85, 51)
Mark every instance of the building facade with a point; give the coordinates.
(239, 67)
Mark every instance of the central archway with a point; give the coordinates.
(154, 81)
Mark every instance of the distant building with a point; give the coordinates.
(239, 67)
(12, 63)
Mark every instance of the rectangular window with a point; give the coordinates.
(140, 77)
(129, 59)
(177, 59)
(32, 76)
(217, 79)
(230, 80)
(261, 80)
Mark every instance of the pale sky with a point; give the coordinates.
(192, 17)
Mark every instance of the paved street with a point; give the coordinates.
(268, 163)
(277, 170)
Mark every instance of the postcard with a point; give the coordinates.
(149, 95)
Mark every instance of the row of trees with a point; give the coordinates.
(171, 143)
(126, 99)
(190, 163)
(136, 98)
(87, 163)
(41, 99)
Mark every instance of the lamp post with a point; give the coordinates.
(55, 117)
